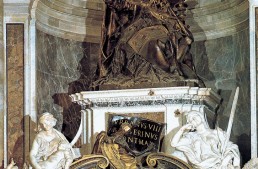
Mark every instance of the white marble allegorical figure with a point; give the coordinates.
(50, 148)
(204, 148)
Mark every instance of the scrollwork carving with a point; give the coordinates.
(91, 161)
(161, 160)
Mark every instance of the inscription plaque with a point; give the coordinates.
(143, 132)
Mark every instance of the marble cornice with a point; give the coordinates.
(85, 4)
(16, 1)
(16, 8)
(67, 21)
(148, 97)
(219, 20)
(82, 11)
(215, 8)
(52, 30)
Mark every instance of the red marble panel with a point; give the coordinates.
(15, 91)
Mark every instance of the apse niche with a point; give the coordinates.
(68, 63)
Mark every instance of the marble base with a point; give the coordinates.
(167, 104)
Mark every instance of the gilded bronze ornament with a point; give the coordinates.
(163, 161)
(91, 161)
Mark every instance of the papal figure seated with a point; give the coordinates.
(204, 148)
(50, 148)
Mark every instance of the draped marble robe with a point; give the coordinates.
(205, 148)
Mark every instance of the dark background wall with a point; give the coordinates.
(223, 64)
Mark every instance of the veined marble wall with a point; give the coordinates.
(223, 64)
(60, 73)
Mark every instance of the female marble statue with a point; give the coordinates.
(50, 148)
(202, 147)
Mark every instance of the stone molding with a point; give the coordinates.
(171, 101)
(253, 75)
(81, 20)
(218, 20)
(148, 97)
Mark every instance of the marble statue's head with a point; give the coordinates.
(46, 121)
(196, 118)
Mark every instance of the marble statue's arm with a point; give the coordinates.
(227, 159)
(69, 159)
(232, 153)
(177, 139)
(11, 165)
(68, 163)
(33, 154)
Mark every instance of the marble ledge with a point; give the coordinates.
(16, 1)
(211, 9)
(75, 15)
(140, 92)
(80, 3)
(148, 96)
(201, 35)
(70, 8)
(54, 31)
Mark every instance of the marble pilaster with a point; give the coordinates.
(253, 4)
(21, 16)
(2, 90)
(15, 92)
